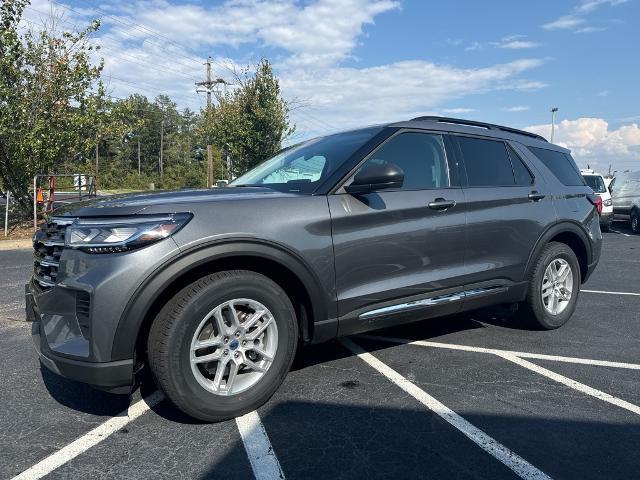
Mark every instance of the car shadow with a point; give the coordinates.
(83, 398)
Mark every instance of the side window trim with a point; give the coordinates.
(452, 167)
(512, 151)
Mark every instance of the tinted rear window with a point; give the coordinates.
(487, 162)
(561, 164)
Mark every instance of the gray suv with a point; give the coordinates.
(214, 290)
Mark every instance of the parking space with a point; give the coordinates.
(471, 396)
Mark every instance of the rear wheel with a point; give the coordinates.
(554, 285)
(222, 345)
(635, 221)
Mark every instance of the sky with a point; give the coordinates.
(350, 63)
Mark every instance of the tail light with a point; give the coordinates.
(597, 201)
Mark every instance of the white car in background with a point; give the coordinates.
(598, 184)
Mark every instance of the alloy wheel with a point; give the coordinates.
(233, 346)
(557, 286)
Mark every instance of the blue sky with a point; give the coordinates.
(356, 62)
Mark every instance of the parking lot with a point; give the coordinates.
(471, 396)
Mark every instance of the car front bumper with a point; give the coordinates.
(75, 320)
(114, 377)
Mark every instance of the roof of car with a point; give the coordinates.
(459, 125)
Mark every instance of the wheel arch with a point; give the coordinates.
(271, 260)
(572, 235)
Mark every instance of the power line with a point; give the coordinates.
(117, 54)
(155, 33)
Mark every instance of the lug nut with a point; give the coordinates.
(244, 343)
(238, 333)
(226, 340)
(226, 352)
(237, 354)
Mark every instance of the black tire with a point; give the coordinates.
(635, 221)
(533, 308)
(173, 329)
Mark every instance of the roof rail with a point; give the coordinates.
(472, 123)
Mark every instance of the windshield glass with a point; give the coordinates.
(596, 183)
(302, 167)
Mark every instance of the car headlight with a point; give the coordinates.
(608, 202)
(112, 235)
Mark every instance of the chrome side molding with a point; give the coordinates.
(431, 301)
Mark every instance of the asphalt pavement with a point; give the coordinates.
(476, 395)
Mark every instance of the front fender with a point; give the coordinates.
(146, 295)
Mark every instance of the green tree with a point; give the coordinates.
(251, 121)
(51, 100)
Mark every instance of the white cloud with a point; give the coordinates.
(577, 18)
(518, 108)
(592, 141)
(395, 91)
(519, 44)
(512, 42)
(565, 22)
(591, 29)
(603, 93)
(457, 111)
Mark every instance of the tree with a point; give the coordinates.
(51, 100)
(251, 121)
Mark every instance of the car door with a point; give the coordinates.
(397, 249)
(508, 207)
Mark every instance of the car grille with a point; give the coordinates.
(48, 244)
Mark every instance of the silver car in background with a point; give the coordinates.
(625, 193)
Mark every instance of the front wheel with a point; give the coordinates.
(554, 285)
(222, 345)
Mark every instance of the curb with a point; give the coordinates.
(15, 244)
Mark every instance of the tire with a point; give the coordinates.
(635, 221)
(534, 307)
(173, 336)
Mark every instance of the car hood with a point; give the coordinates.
(134, 203)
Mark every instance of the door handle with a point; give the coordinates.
(536, 197)
(441, 204)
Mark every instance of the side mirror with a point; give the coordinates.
(374, 177)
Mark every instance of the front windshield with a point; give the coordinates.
(596, 183)
(302, 167)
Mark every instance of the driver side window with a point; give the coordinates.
(421, 156)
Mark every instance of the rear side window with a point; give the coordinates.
(561, 164)
(520, 170)
(421, 156)
(487, 162)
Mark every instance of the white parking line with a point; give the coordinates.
(621, 233)
(90, 439)
(263, 459)
(611, 293)
(501, 453)
(494, 351)
(581, 387)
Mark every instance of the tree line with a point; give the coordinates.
(57, 117)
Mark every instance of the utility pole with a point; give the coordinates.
(208, 84)
(97, 158)
(553, 121)
(138, 156)
(161, 146)
(208, 88)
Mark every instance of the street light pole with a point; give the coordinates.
(553, 121)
